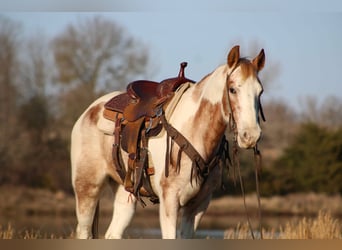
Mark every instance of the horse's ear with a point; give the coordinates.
(259, 61)
(233, 56)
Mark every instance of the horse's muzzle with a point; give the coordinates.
(248, 138)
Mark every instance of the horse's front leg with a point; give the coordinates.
(191, 216)
(194, 209)
(168, 212)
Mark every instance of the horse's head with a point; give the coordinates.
(244, 90)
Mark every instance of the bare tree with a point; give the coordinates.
(280, 125)
(9, 43)
(36, 67)
(328, 114)
(331, 112)
(9, 66)
(96, 56)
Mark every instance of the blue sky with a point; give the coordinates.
(306, 44)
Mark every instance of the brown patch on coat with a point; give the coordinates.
(214, 129)
(167, 183)
(225, 103)
(93, 114)
(164, 183)
(247, 68)
(86, 188)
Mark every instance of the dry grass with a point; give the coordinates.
(10, 233)
(6, 233)
(324, 226)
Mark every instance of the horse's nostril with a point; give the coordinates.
(245, 135)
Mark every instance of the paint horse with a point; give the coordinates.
(228, 95)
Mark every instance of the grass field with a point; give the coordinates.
(324, 226)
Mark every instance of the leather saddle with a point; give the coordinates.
(143, 97)
(135, 114)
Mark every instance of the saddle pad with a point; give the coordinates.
(175, 99)
(171, 105)
(104, 124)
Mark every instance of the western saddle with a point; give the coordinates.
(136, 114)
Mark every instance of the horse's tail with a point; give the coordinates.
(95, 226)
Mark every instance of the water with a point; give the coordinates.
(140, 228)
(155, 233)
(65, 226)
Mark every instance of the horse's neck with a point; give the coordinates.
(202, 115)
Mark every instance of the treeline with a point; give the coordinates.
(311, 163)
(46, 83)
(301, 152)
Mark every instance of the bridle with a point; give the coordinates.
(260, 109)
(235, 157)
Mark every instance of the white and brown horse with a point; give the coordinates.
(231, 91)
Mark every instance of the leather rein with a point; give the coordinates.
(257, 161)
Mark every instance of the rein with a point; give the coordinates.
(257, 170)
(236, 162)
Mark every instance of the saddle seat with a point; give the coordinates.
(143, 97)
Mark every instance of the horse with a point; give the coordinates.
(230, 94)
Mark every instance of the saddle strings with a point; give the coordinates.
(257, 170)
(236, 164)
(257, 164)
(236, 161)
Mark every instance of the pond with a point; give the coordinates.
(140, 228)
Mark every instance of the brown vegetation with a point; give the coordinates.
(316, 214)
(323, 226)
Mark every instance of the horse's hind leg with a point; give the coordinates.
(124, 208)
(87, 191)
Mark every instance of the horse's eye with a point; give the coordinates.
(232, 90)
